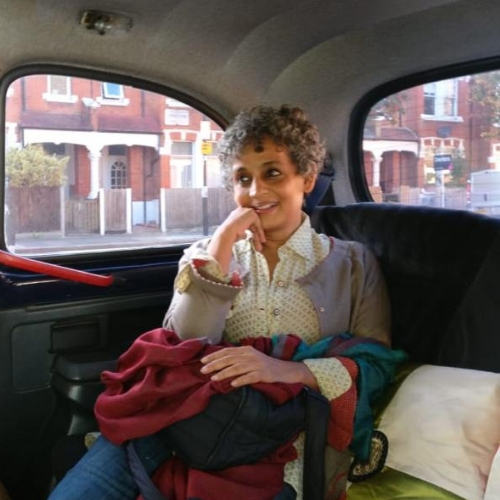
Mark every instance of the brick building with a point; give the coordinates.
(115, 136)
(402, 139)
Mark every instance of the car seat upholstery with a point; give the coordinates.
(442, 269)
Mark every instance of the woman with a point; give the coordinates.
(265, 271)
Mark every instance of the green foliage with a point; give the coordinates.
(31, 166)
(485, 92)
(390, 108)
(460, 169)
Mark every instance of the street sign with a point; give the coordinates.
(442, 162)
(206, 148)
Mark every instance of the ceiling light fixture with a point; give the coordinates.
(105, 23)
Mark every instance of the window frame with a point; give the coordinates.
(51, 96)
(119, 175)
(111, 98)
(439, 97)
(107, 94)
(362, 107)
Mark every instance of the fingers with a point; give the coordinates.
(242, 219)
(223, 359)
(249, 366)
(258, 237)
(243, 363)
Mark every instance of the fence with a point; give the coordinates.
(116, 210)
(182, 208)
(82, 216)
(34, 209)
(452, 197)
(39, 209)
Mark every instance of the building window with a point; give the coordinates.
(59, 89)
(440, 99)
(54, 149)
(118, 175)
(58, 84)
(112, 90)
(117, 150)
(112, 95)
(182, 148)
(182, 164)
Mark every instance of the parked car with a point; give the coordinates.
(112, 112)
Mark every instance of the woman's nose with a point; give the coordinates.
(256, 187)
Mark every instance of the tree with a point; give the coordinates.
(390, 108)
(485, 92)
(460, 168)
(31, 166)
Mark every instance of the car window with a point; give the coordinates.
(95, 165)
(437, 144)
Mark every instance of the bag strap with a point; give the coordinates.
(316, 429)
(146, 486)
(317, 417)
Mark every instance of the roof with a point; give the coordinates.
(105, 123)
(392, 134)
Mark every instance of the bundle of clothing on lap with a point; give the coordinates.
(158, 382)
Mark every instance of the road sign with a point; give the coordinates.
(206, 148)
(442, 162)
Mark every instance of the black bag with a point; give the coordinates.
(242, 427)
(236, 428)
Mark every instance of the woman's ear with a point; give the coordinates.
(309, 182)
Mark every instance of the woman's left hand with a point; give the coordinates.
(248, 366)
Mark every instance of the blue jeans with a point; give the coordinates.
(103, 472)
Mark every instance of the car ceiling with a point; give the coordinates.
(320, 54)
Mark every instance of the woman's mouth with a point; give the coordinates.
(265, 208)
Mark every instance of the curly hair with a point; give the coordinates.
(286, 126)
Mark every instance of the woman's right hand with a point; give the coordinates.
(233, 229)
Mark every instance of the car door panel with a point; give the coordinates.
(56, 337)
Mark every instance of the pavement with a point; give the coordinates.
(141, 237)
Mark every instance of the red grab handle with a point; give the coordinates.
(54, 270)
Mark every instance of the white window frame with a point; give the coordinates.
(112, 98)
(118, 175)
(52, 95)
(108, 93)
(441, 93)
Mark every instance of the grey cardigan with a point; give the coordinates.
(347, 290)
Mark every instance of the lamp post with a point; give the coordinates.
(206, 148)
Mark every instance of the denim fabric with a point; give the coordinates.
(104, 474)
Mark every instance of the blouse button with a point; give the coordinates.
(281, 283)
(276, 312)
(322, 309)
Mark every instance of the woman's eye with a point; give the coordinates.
(273, 172)
(243, 179)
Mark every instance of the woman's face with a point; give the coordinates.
(268, 182)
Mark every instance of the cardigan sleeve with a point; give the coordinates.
(202, 296)
(371, 311)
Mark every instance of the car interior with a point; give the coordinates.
(129, 99)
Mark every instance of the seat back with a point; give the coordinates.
(442, 269)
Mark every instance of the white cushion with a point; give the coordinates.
(493, 486)
(443, 426)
